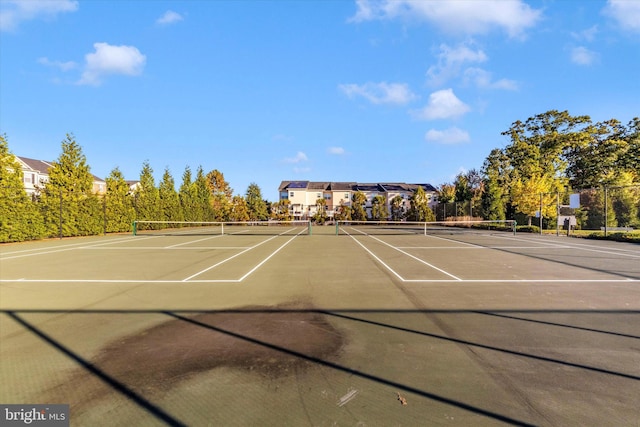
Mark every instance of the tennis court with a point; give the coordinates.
(291, 325)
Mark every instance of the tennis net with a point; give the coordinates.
(422, 227)
(194, 228)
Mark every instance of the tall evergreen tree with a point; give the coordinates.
(147, 200)
(19, 218)
(256, 206)
(168, 198)
(203, 196)
(119, 203)
(68, 204)
(188, 197)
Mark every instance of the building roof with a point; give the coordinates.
(318, 185)
(286, 185)
(36, 165)
(395, 186)
(368, 187)
(43, 167)
(353, 186)
(341, 186)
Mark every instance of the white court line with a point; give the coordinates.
(238, 254)
(582, 247)
(526, 281)
(168, 248)
(115, 281)
(225, 260)
(267, 258)
(454, 241)
(389, 268)
(479, 247)
(187, 280)
(488, 281)
(64, 248)
(407, 254)
(377, 259)
(192, 241)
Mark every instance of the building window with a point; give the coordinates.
(291, 194)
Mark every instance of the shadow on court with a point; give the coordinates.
(285, 341)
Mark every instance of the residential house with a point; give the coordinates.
(35, 175)
(303, 195)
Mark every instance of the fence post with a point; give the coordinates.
(606, 208)
(104, 214)
(541, 196)
(60, 218)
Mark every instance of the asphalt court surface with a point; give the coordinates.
(471, 329)
(491, 257)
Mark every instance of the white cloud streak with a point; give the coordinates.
(483, 79)
(443, 104)
(452, 64)
(62, 66)
(169, 17)
(299, 157)
(108, 60)
(582, 56)
(14, 12)
(451, 61)
(458, 17)
(338, 151)
(449, 136)
(625, 12)
(380, 93)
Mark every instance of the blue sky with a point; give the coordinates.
(265, 91)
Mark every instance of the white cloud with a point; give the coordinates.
(459, 16)
(109, 59)
(588, 35)
(169, 17)
(450, 62)
(448, 136)
(336, 150)
(443, 104)
(625, 12)
(299, 157)
(63, 66)
(380, 93)
(483, 79)
(582, 56)
(301, 170)
(14, 12)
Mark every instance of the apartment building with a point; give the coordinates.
(35, 175)
(303, 195)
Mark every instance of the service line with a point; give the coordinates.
(242, 252)
(60, 248)
(405, 253)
